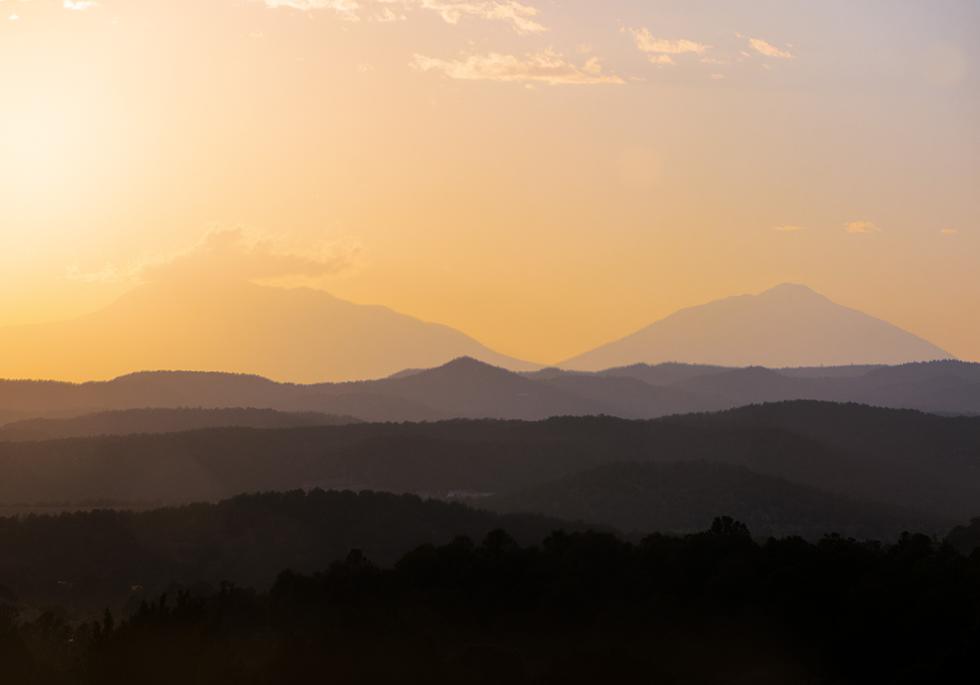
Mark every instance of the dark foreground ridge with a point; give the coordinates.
(713, 607)
(88, 560)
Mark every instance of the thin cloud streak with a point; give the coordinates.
(521, 17)
(662, 51)
(861, 227)
(547, 66)
(768, 49)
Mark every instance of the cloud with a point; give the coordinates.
(789, 228)
(80, 5)
(521, 17)
(768, 49)
(647, 43)
(547, 67)
(949, 231)
(226, 256)
(859, 227)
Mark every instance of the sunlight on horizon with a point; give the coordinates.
(543, 177)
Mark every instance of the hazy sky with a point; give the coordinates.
(544, 175)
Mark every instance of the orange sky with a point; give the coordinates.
(545, 176)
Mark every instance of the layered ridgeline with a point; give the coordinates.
(902, 459)
(789, 325)
(467, 388)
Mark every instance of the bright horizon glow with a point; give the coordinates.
(543, 177)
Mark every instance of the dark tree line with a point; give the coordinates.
(712, 607)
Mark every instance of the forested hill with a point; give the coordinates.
(88, 560)
(712, 608)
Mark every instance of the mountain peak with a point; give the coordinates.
(790, 288)
(788, 325)
(467, 365)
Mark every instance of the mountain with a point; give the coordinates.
(684, 497)
(786, 326)
(130, 421)
(294, 334)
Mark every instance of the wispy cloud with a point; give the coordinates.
(347, 9)
(80, 5)
(647, 43)
(789, 228)
(522, 17)
(662, 50)
(768, 49)
(547, 66)
(861, 226)
(949, 231)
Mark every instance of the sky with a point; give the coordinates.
(543, 175)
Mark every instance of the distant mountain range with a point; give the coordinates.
(789, 325)
(297, 334)
(309, 336)
(466, 388)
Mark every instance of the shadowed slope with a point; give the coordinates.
(685, 497)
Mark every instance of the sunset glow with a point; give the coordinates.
(543, 176)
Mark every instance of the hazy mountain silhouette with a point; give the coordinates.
(294, 334)
(684, 497)
(789, 325)
(131, 421)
